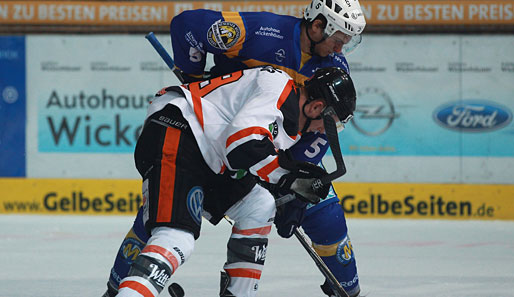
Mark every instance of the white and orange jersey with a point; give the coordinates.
(240, 120)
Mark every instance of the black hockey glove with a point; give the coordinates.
(299, 181)
(289, 216)
(301, 188)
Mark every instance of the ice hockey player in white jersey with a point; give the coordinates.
(239, 123)
(328, 31)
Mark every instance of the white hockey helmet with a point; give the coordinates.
(342, 15)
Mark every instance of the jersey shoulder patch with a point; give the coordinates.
(223, 35)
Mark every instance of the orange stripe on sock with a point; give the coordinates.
(168, 170)
(141, 289)
(244, 272)
(163, 252)
(262, 231)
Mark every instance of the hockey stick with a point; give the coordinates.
(336, 286)
(164, 55)
(333, 141)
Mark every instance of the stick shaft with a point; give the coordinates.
(164, 55)
(338, 289)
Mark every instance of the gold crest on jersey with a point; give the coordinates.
(223, 35)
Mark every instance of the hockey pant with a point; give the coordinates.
(326, 227)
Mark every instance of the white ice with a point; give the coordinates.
(54, 256)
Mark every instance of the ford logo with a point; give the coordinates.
(472, 116)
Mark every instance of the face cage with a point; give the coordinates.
(340, 124)
(348, 47)
(352, 45)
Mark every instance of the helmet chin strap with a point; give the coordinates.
(313, 43)
(309, 120)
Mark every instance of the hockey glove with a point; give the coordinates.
(301, 168)
(289, 216)
(302, 188)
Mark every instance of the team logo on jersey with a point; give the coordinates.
(194, 204)
(223, 35)
(239, 174)
(344, 253)
(280, 55)
(273, 128)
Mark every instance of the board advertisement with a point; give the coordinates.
(12, 106)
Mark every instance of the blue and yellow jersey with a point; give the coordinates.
(240, 40)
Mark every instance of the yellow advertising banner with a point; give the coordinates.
(359, 200)
(137, 13)
(69, 196)
(427, 201)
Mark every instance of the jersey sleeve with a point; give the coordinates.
(311, 148)
(253, 138)
(194, 33)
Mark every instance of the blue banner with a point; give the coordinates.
(465, 127)
(450, 96)
(12, 106)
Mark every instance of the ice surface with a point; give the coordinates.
(54, 256)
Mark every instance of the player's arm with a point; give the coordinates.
(251, 139)
(254, 147)
(194, 33)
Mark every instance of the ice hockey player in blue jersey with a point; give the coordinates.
(240, 40)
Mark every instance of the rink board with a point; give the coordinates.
(403, 130)
(377, 200)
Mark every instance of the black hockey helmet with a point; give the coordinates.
(335, 86)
